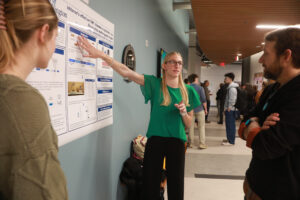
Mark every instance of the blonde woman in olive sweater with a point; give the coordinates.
(29, 166)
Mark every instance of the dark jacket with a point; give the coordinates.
(132, 176)
(207, 93)
(221, 94)
(274, 171)
(250, 99)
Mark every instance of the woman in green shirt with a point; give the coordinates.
(172, 104)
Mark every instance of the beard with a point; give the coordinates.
(273, 71)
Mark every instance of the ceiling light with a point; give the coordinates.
(262, 43)
(239, 54)
(266, 26)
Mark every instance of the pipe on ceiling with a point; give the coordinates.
(191, 31)
(182, 5)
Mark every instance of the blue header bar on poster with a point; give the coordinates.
(104, 91)
(78, 32)
(89, 80)
(59, 51)
(104, 108)
(60, 24)
(82, 62)
(106, 44)
(104, 79)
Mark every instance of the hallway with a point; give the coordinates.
(216, 173)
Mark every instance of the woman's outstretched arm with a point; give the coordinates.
(120, 68)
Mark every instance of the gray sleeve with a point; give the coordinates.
(202, 95)
(232, 97)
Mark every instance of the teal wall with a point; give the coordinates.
(92, 164)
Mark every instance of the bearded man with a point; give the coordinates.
(272, 130)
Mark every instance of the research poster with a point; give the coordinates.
(78, 90)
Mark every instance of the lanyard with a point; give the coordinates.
(269, 98)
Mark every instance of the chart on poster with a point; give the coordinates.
(77, 89)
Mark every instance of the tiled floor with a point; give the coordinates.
(222, 166)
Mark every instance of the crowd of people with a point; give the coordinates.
(226, 98)
(250, 97)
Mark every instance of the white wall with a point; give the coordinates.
(194, 65)
(215, 75)
(194, 61)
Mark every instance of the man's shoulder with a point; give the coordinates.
(195, 85)
(198, 88)
(190, 87)
(232, 88)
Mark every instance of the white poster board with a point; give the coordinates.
(258, 80)
(78, 91)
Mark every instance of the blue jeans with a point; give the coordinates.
(230, 126)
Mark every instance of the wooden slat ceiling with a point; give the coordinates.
(228, 27)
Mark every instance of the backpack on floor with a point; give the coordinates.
(132, 177)
(132, 171)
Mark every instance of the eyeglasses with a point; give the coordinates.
(173, 62)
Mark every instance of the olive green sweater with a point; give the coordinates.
(29, 166)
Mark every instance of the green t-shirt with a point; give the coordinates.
(166, 121)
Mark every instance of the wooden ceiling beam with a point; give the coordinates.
(227, 26)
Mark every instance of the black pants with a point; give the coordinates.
(156, 149)
(208, 106)
(221, 112)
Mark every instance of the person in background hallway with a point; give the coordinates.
(207, 94)
(172, 104)
(250, 98)
(272, 130)
(258, 94)
(218, 99)
(255, 88)
(230, 101)
(199, 113)
(264, 85)
(186, 81)
(243, 86)
(29, 166)
(221, 95)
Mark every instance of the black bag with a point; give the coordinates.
(132, 176)
(241, 100)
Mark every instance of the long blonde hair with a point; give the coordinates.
(181, 85)
(23, 17)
